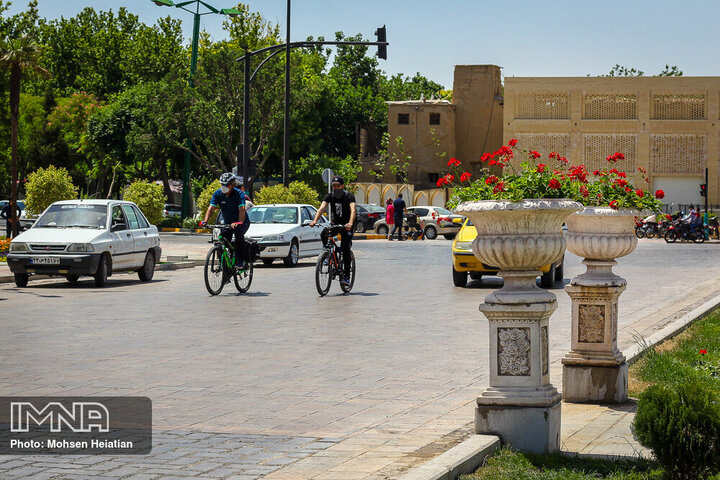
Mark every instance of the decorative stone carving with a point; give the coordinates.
(545, 349)
(591, 323)
(514, 351)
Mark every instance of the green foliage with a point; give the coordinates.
(190, 222)
(173, 221)
(47, 185)
(681, 425)
(296, 192)
(506, 464)
(203, 201)
(622, 71)
(309, 169)
(149, 197)
(400, 160)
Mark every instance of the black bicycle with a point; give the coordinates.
(330, 262)
(220, 261)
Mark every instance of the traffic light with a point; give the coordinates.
(381, 35)
(703, 190)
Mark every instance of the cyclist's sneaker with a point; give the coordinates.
(241, 266)
(345, 280)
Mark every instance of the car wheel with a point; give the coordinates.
(431, 232)
(72, 278)
(268, 261)
(293, 256)
(360, 227)
(459, 278)
(102, 272)
(21, 279)
(547, 280)
(449, 236)
(148, 268)
(382, 230)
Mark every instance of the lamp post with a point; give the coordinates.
(193, 66)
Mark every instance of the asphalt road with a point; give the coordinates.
(397, 363)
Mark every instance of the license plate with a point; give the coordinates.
(216, 234)
(45, 261)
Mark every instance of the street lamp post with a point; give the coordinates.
(193, 66)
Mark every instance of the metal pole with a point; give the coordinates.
(707, 194)
(286, 138)
(246, 122)
(188, 142)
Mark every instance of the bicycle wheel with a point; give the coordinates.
(243, 278)
(214, 271)
(323, 273)
(347, 288)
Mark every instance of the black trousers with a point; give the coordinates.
(239, 241)
(398, 225)
(8, 229)
(345, 247)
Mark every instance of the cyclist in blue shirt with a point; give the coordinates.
(231, 203)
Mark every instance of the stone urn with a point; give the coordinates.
(595, 370)
(520, 404)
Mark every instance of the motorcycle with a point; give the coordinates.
(684, 231)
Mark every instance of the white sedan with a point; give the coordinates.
(86, 237)
(284, 232)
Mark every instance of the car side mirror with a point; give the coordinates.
(306, 223)
(458, 221)
(118, 226)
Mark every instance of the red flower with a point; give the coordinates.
(553, 155)
(465, 176)
(563, 159)
(619, 156)
(485, 157)
(504, 151)
(541, 167)
(449, 177)
(491, 180)
(639, 192)
(613, 204)
(533, 154)
(554, 184)
(499, 187)
(622, 174)
(628, 190)
(642, 170)
(703, 352)
(659, 194)
(512, 142)
(584, 191)
(441, 181)
(453, 162)
(578, 173)
(596, 172)
(621, 182)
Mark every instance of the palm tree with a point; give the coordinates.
(17, 54)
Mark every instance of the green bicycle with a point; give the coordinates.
(220, 261)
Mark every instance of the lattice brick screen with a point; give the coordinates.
(544, 143)
(538, 106)
(597, 148)
(678, 153)
(610, 106)
(678, 107)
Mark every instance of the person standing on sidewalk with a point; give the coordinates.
(6, 213)
(399, 210)
(389, 216)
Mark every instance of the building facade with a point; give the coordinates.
(669, 126)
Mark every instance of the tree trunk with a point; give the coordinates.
(15, 74)
(162, 170)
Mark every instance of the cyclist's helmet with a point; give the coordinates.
(226, 178)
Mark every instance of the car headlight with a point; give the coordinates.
(18, 247)
(463, 246)
(273, 238)
(80, 247)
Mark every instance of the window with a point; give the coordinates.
(141, 218)
(132, 219)
(422, 212)
(433, 178)
(305, 215)
(118, 217)
(434, 119)
(403, 119)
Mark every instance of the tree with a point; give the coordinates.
(309, 169)
(46, 186)
(296, 192)
(17, 55)
(622, 71)
(148, 197)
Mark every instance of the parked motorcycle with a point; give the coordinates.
(684, 231)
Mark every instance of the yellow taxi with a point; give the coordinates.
(465, 263)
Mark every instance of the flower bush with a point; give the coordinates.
(555, 178)
(4, 248)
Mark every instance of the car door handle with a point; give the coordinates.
(145, 233)
(128, 235)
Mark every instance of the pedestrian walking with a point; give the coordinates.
(389, 216)
(6, 214)
(398, 211)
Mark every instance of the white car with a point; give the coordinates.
(86, 237)
(284, 232)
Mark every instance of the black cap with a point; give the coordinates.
(337, 179)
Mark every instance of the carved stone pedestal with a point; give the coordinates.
(594, 370)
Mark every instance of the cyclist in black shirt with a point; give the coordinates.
(342, 211)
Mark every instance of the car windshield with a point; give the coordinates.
(375, 208)
(263, 214)
(443, 211)
(73, 215)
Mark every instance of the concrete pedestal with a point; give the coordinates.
(582, 383)
(529, 429)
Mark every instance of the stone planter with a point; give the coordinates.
(521, 405)
(595, 370)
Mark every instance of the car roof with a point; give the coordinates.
(284, 205)
(92, 201)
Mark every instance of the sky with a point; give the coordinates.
(524, 37)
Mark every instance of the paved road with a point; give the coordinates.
(284, 383)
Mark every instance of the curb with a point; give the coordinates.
(468, 455)
(463, 458)
(357, 236)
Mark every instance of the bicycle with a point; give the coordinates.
(220, 261)
(330, 262)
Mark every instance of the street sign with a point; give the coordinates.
(327, 175)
